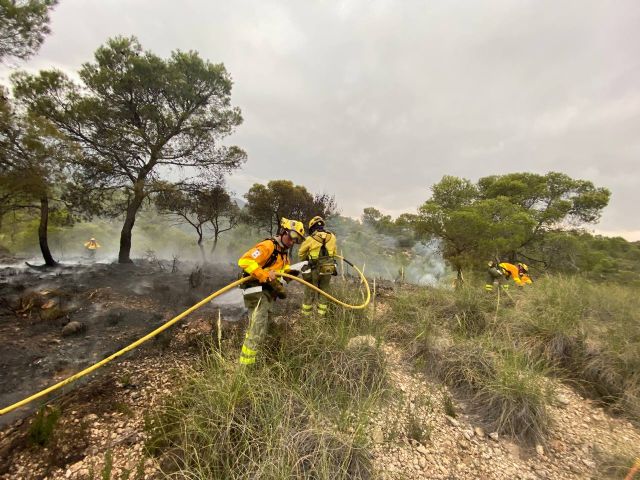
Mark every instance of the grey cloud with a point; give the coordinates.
(376, 100)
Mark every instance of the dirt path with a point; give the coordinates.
(458, 448)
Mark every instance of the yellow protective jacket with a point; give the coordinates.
(253, 261)
(91, 245)
(511, 271)
(310, 248)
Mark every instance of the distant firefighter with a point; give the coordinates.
(501, 273)
(92, 245)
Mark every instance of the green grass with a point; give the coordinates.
(301, 412)
(43, 425)
(448, 406)
(614, 462)
(591, 333)
(500, 354)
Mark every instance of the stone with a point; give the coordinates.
(452, 421)
(362, 341)
(574, 468)
(494, 436)
(73, 328)
(463, 444)
(377, 435)
(479, 432)
(421, 449)
(540, 450)
(589, 463)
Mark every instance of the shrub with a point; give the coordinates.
(43, 425)
(509, 392)
(230, 424)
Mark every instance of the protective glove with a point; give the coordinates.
(278, 289)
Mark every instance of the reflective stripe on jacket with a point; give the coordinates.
(310, 248)
(253, 261)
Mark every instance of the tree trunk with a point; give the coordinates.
(201, 247)
(42, 232)
(459, 277)
(124, 255)
(215, 244)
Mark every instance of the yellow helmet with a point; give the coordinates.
(317, 220)
(294, 227)
(524, 267)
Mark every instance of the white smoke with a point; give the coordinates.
(427, 266)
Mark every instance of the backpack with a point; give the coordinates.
(326, 264)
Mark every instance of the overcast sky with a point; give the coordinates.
(376, 100)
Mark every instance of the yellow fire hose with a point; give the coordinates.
(176, 319)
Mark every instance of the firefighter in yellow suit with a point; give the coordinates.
(92, 245)
(261, 263)
(319, 249)
(500, 273)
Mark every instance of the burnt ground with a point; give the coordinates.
(105, 412)
(56, 322)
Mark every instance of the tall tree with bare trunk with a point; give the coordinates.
(136, 117)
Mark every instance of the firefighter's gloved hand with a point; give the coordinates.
(278, 289)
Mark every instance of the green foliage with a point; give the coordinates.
(43, 425)
(107, 468)
(267, 204)
(596, 257)
(34, 165)
(24, 25)
(134, 117)
(551, 198)
(202, 207)
(502, 214)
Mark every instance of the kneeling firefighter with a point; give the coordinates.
(499, 273)
(261, 263)
(319, 250)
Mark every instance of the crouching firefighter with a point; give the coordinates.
(500, 273)
(319, 250)
(261, 263)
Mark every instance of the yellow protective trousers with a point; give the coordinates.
(311, 296)
(260, 306)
